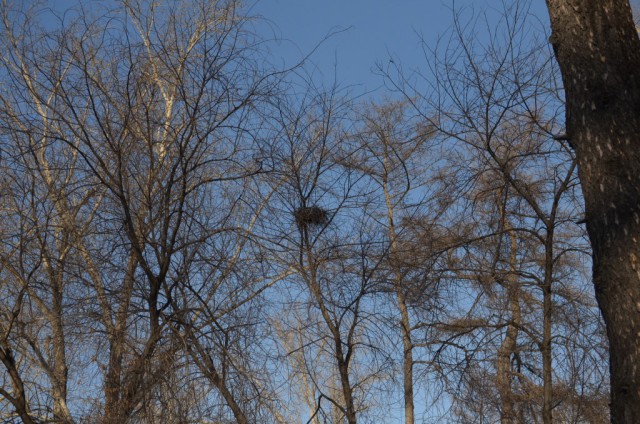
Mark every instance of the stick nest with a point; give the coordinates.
(310, 216)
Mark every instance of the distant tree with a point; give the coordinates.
(130, 135)
(391, 150)
(327, 327)
(497, 101)
(502, 107)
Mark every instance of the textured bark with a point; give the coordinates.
(598, 49)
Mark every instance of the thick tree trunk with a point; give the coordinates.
(598, 49)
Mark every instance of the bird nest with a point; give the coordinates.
(310, 216)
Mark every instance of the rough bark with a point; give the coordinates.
(598, 50)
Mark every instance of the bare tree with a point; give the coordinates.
(391, 150)
(498, 101)
(327, 240)
(134, 126)
(191, 235)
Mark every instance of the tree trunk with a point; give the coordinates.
(547, 318)
(405, 320)
(407, 360)
(113, 378)
(597, 47)
(18, 396)
(342, 358)
(510, 341)
(347, 391)
(60, 369)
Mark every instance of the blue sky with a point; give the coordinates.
(374, 31)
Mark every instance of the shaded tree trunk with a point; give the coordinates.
(347, 390)
(18, 396)
(597, 47)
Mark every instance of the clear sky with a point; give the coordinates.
(374, 32)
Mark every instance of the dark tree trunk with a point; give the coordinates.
(598, 49)
(18, 397)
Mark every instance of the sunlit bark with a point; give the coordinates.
(597, 47)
